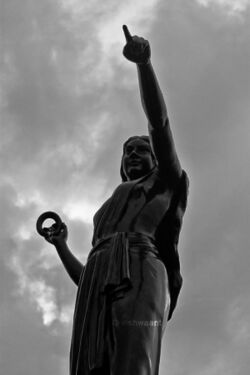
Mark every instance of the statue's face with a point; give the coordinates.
(137, 159)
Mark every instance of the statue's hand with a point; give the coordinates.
(136, 49)
(56, 238)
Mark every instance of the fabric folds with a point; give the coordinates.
(105, 279)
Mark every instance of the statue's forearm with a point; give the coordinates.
(159, 129)
(72, 265)
(151, 96)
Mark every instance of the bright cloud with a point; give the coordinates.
(232, 7)
(102, 43)
(138, 15)
(83, 210)
(43, 295)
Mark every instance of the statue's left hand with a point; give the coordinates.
(137, 49)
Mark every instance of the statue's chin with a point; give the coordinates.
(135, 174)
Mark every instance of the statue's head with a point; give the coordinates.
(138, 158)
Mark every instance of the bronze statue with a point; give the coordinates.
(129, 287)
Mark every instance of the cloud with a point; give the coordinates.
(232, 7)
(100, 46)
(39, 293)
(237, 319)
(25, 341)
(32, 266)
(40, 278)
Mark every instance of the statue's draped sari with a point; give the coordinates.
(125, 289)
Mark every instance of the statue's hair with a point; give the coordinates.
(142, 137)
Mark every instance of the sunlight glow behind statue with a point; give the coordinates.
(129, 286)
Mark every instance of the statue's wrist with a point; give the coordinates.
(59, 244)
(144, 63)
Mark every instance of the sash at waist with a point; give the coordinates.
(136, 241)
(119, 245)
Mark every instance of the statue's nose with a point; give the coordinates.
(133, 152)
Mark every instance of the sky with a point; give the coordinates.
(68, 101)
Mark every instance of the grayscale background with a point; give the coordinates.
(68, 100)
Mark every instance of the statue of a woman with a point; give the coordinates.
(129, 287)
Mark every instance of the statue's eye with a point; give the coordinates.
(129, 150)
(139, 149)
(143, 149)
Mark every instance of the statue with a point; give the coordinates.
(129, 287)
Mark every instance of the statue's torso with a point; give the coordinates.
(136, 206)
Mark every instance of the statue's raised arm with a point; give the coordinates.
(137, 50)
